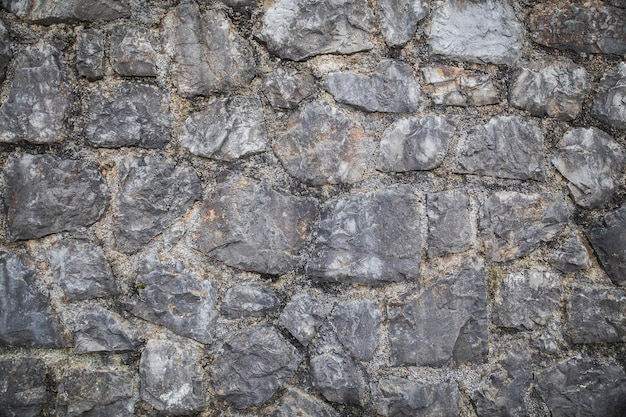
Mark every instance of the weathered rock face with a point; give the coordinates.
(249, 300)
(357, 325)
(359, 240)
(298, 29)
(610, 103)
(453, 86)
(596, 316)
(571, 256)
(23, 384)
(448, 223)
(296, 402)
(90, 54)
(399, 19)
(396, 396)
(608, 238)
(50, 11)
(322, 145)
(6, 50)
(45, 194)
(133, 51)
(303, 316)
(286, 88)
(337, 378)
(255, 363)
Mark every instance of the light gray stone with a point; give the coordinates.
(398, 397)
(302, 317)
(453, 86)
(296, 402)
(338, 379)
(6, 50)
(23, 382)
(133, 51)
(399, 19)
(90, 54)
(48, 12)
(249, 300)
(357, 326)
(610, 103)
(449, 228)
(595, 316)
(608, 239)
(571, 256)
(286, 88)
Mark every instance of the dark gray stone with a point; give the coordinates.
(286, 88)
(228, 129)
(592, 163)
(133, 51)
(26, 318)
(296, 402)
(134, 114)
(23, 383)
(608, 239)
(154, 192)
(39, 98)
(298, 29)
(323, 145)
(357, 325)
(554, 88)
(254, 364)
(401, 397)
(303, 316)
(392, 88)
(595, 316)
(48, 12)
(82, 271)
(505, 147)
(45, 194)
(249, 226)
(449, 228)
(90, 54)
(486, 31)
(338, 378)
(445, 322)
(610, 103)
(416, 143)
(453, 86)
(399, 19)
(527, 299)
(360, 239)
(571, 256)
(6, 50)
(514, 224)
(208, 55)
(249, 300)
(584, 388)
(244, 7)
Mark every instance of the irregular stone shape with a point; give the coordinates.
(486, 31)
(583, 387)
(172, 380)
(399, 19)
(392, 88)
(514, 224)
(228, 129)
(360, 239)
(208, 55)
(133, 51)
(303, 316)
(453, 86)
(446, 321)
(505, 147)
(31, 114)
(595, 316)
(527, 299)
(324, 146)
(23, 383)
(254, 364)
(449, 228)
(416, 143)
(90, 54)
(556, 89)
(593, 27)
(357, 325)
(25, 315)
(285, 88)
(135, 114)
(571, 256)
(96, 393)
(249, 300)
(337, 378)
(395, 396)
(296, 402)
(592, 163)
(174, 298)
(47, 12)
(298, 29)
(608, 238)
(82, 271)
(6, 50)
(45, 194)
(610, 103)
(249, 226)
(154, 192)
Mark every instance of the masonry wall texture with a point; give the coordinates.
(312, 208)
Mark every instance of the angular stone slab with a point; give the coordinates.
(36, 115)
(395, 396)
(254, 364)
(610, 103)
(592, 162)
(360, 240)
(299, 29)
(154, 192)
(6, 50)
(23, 382)
(595, 316)
(449, 228)
(249, 300)
(357, 325)
(90, 54)
(303, 316)
(486, 31)
(322, 145)
(133, 51)
(399, 19)
(285, 88)
(505, 147)
(228, 129)
(608, 238)
(296, 402)
(453, 86)
(45, 194)
(416, 143)
(48, 12)
(571, 256)
(514, 224)
(338, 378)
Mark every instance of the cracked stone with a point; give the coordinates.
(48, 12)
(399, 19)
(249, 300)
(23, 385)
(6, 50)
(133, 51)
(608, 239)
(357, 325)
(338, 378)
(610, 103)
(571, 256)
(90, 54)
(397, 397)
(449, 228)
(453, 86)
(296, 402)
(303, 316)
(286, 88)
(595, 316)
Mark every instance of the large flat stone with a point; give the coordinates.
(357, 326)
(249, 300)
(133, 51)
(571, 256)
(453, 86)
(610, 103)
(6, 50)
(449, 229)
(303, 315)
(68, 11)
(23, 382)
(395, 396)
(338, 378)
(296, 402)
(286, 88)
(608, 239)
(595, 316)
(399, 19)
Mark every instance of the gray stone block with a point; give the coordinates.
(357, 326)
(571, 256)
(303, 316)
(249, 300)
(608, 239)
(399, 19)
(296, 402)
(610, 103)
(90, 54)
(595, 316)
(286, 88)
(48, 12)
(448, 223)
(6, 50)
(338, 379)
(397, 397)
(453, 86)
(133, 51)
(23, 382)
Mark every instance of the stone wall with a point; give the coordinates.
(313, 208)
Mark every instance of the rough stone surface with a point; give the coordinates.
(90, 54)
(416, 143)
(505, 147)
(610, 103)
(6, 50)
(357, 325)
(453, 86)
(571, 256)
(286, 88)
(556, 89)
(445, 322)
(154, 192)
(486, 31)
(514, 224)
(249, 300)
(449, 228)
(23, 383)
(338, 379)
(395, 396)
(255, 363)
(322, 145)
(298, 29)
(303, 316)
(133, 51)
(228, 129)
(359, 240)
(392, 88)
(45, 194)
(399, 19)
(296, 402)
(608, 238)
(50, 11)
(596, 316)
